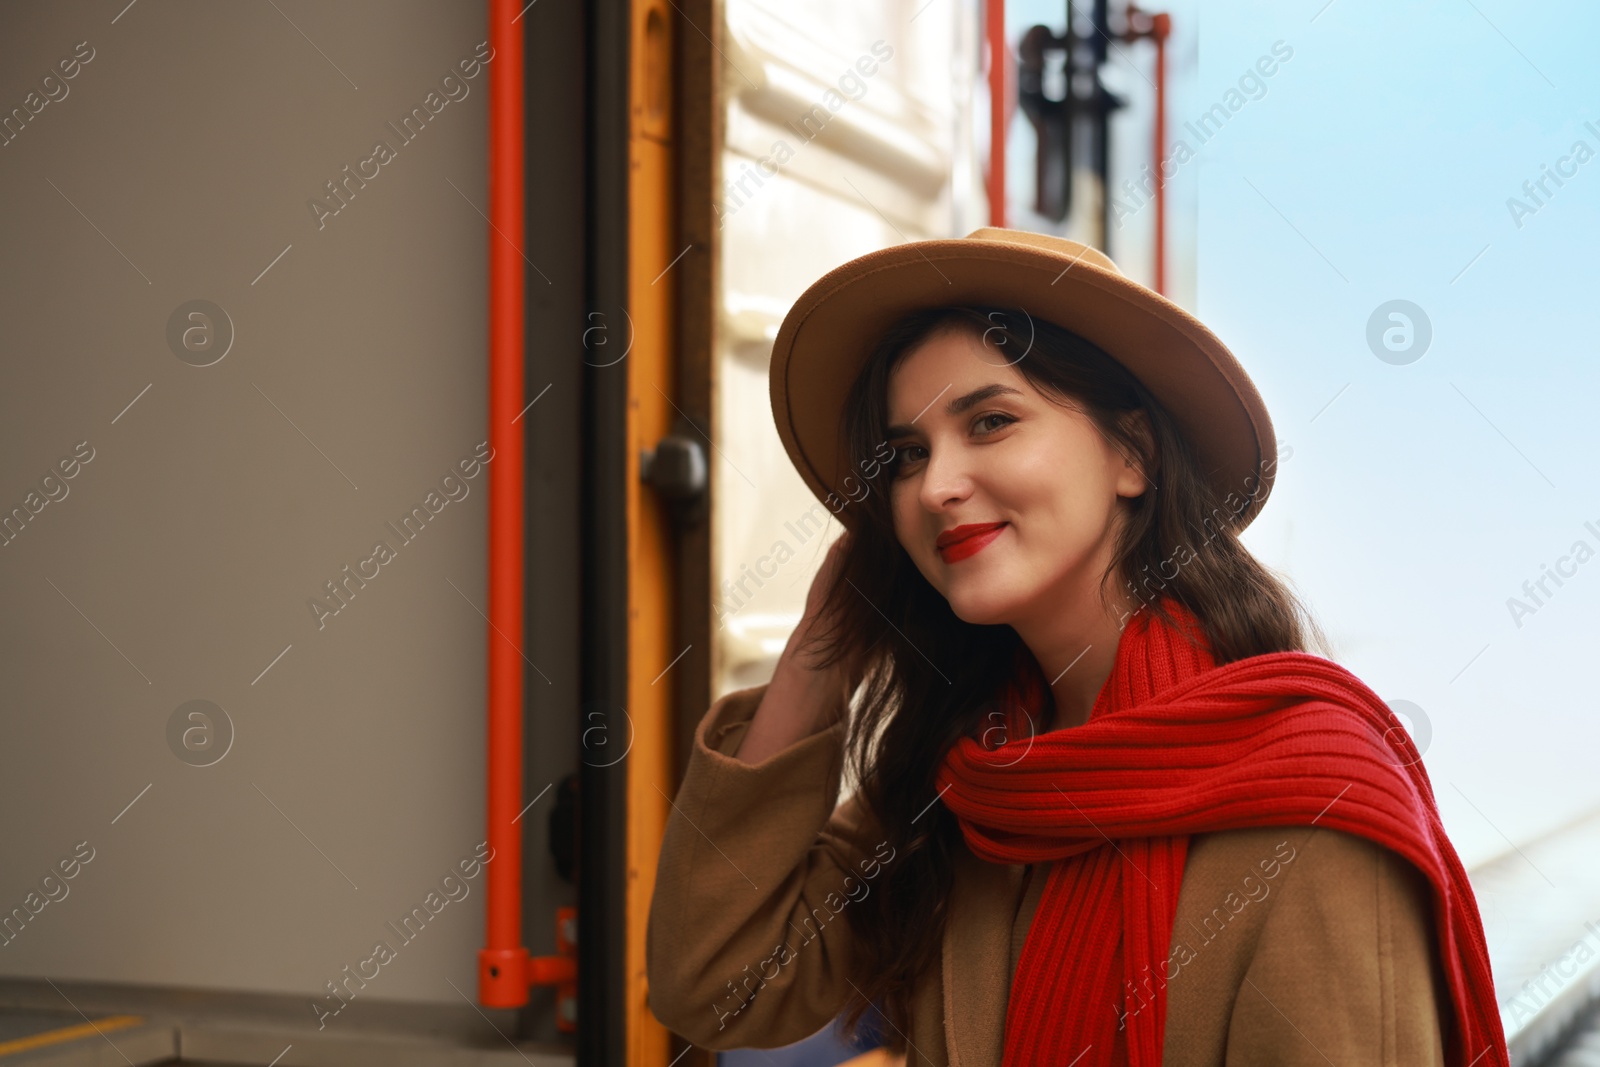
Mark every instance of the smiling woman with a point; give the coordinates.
(1006, 464)
(982, 604)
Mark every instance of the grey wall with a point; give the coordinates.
(180, 562)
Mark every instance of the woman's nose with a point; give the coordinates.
(946, 478)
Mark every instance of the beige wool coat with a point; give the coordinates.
(1292, 945)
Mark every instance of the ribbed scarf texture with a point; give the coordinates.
(1175, 746)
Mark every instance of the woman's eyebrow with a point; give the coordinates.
(960, 404)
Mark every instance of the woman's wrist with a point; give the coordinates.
(799, 702)
(823, 688)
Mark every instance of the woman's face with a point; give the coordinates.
(1005, 500)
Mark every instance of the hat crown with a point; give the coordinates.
(1062, 246)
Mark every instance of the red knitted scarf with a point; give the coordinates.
(1174, 746)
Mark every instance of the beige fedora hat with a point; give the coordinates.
(830, 331)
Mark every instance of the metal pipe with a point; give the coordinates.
(503, 962)
(1161, 27)
(995, 22)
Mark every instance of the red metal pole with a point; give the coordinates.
(1161, 27)
(998, 61)
(503, 962)
(1157, 27)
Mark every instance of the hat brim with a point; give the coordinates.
(828, 334)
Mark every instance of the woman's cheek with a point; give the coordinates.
(904, 524)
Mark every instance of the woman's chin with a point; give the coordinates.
(980, 608)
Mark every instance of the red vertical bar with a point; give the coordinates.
(503, 962)
(998, 62)
(1161, 27)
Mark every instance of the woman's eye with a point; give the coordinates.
(983, 420)
(903, 454)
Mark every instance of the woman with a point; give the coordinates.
(1108, 809)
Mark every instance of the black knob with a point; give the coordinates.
(677, 467)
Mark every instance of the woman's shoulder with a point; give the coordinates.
(1243, 858)
(1308, 937)
(1313, 874)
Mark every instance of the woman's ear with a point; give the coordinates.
(1136, 479)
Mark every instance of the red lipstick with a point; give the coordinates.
(962, 541)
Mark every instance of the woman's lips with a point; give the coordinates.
(963, 541)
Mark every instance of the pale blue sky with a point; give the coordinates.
(1375, 167)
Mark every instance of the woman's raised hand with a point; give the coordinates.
(803, 696)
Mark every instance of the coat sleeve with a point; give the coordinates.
(1346, 969)
(747, 946)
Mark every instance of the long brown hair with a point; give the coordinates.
(930, 676)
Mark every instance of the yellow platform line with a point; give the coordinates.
(69, 1033)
